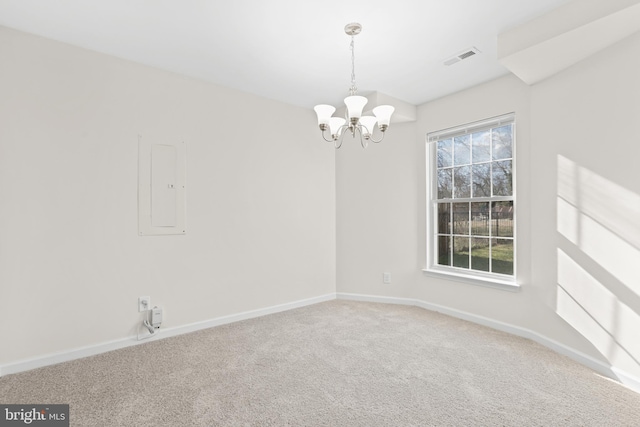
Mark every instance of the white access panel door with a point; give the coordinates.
(161, 187)
(164, 162)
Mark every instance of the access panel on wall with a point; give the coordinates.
(161, 187)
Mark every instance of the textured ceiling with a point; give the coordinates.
(294, 51)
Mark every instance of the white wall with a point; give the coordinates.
(377, 214)
(265, 206)
(576, 261)
(586, 198)
(260, 200)
(381, 206)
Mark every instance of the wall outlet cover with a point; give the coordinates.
(144, 304)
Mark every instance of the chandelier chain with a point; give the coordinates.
(353, 89)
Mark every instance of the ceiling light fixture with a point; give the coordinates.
(355, 122)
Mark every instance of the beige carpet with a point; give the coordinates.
(338, 363)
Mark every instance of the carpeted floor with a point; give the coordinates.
(338, 363)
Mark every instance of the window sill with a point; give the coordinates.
(489, 282)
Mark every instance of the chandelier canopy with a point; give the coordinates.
(355, 122)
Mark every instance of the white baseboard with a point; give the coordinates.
(78, 353)
(630, 381)
(602, 368)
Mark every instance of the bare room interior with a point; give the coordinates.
(201, 225)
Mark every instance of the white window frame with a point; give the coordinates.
(494, 280)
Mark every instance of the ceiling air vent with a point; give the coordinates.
(467, 53)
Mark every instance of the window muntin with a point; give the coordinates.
(472, 199)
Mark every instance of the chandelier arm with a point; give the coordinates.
(342, 130)
(370, 133)
(325, 138)
(364, 142)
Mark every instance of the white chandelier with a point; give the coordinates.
(355, 122)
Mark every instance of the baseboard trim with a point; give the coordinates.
(602, 368)
(78, 353)
(612, 372)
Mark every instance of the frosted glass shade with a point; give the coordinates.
(335, 123)
(324, 113)
(368, 123)
(383, 113)
(355, 104)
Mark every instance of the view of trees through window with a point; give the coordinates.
(474, 201)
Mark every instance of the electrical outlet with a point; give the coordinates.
(144, 303)
(386, 278)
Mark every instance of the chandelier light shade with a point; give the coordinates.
(324, 113)
(355, 104)
(355, 122)
(367, 124)
(383, 115)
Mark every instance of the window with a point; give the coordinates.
(471, 200)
